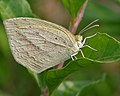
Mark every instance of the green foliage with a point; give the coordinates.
(103, 55)
(109, 18)
(77, 88)
(73, 6)
(15, 8)
(108, 51)
(108, 48)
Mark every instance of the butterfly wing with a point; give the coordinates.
(38, 44)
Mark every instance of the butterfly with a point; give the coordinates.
(38, 44)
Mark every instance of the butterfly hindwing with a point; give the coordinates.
(38, 44)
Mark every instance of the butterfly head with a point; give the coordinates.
(79, 39)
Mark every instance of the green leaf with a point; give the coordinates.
(3, 41)
(73, 6)
(4, 72)
(39, 78)
(15, 8)
(108, 51)
(55, 77)
(3, 93)
(108, 48)
(77, 88)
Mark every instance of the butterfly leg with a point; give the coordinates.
(82, 53)
(87, 38)
(89, 47)
(73, 56)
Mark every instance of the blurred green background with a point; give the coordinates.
(15, 79)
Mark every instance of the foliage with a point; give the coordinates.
(58, 81)
(73, 6)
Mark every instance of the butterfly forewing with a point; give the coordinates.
(38, 44)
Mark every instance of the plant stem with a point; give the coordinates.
(76, 21)
(45, 92)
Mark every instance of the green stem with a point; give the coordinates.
(76, 21)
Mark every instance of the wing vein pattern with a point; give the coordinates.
(38, 44)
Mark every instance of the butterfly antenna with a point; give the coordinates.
(89, 26)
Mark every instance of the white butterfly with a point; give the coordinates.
(39, 45)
